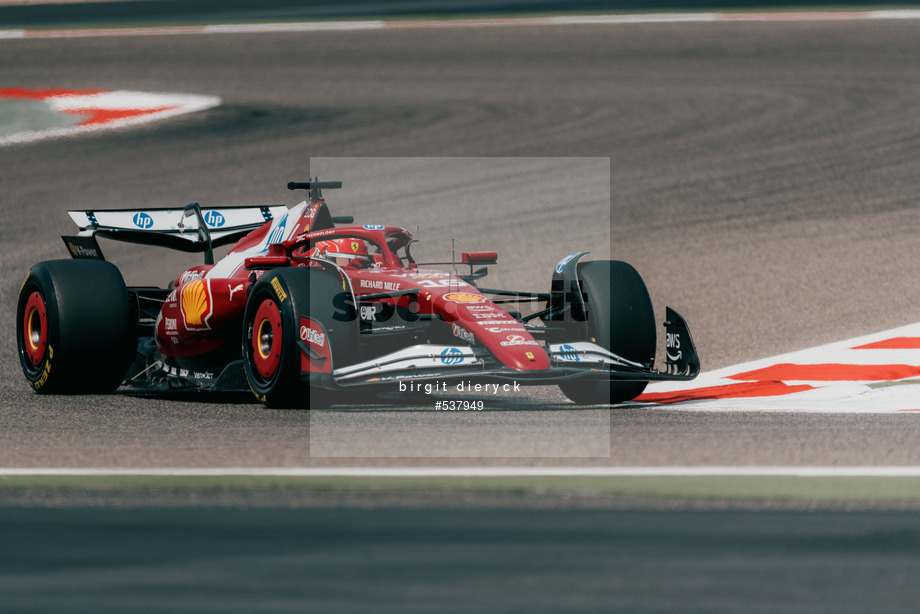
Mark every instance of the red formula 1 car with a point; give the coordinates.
(301, 310)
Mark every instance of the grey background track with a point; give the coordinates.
(763, 179)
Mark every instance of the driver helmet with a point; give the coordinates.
(348, 252)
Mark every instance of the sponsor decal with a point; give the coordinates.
(46, 372)
(450, 282)
(569, 353)
(203, 375)
(172, 325)
(311, 336)
(530, 356)
(190, 276)
(196, 304)
(565, 261)
(373, 227)
(234, 289)
(83, 252)
(518, 340)
(214, 219)
(465, 297)
(436, 275)
(452, 356)
(479, 307)
(368, 312)
(491, 322)
(183, 372)
(278, 233)
(142, 221)
(373, 284)
(463, 334)
(490, 314)
(276, 284)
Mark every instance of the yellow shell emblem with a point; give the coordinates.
(195, 302)
(465, 297)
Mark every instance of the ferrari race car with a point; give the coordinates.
(306, 306)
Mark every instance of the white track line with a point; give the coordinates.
(479, 472)
(565, 20)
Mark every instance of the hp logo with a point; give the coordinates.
(278, 233)
(214, 219)
(571, 354)
(142, 220)
(452, 356)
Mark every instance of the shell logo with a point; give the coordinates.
(196, 304)
(465, 297)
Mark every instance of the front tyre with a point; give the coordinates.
(75, 329)
(621, 319)
(291, 315)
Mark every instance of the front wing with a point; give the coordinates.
(572, 361)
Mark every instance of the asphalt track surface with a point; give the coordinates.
(762, 178)
(324, 560)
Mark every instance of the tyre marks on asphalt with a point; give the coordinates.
(877, 373)
(32, 114)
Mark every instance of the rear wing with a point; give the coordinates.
(189, 229)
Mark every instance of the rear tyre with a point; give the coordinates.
(75, 328)
(621, 319)
(272, 347)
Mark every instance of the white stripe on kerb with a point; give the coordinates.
(627, 19)
(309, 26)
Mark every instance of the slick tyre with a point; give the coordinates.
(75, 328)
(620, 318)
(273, 348)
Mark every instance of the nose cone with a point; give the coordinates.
(517, 350)
(529, 358)
(500, 333)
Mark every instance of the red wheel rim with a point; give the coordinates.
(266, 339)
(35, 329)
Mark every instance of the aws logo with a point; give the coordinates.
(196, 304)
